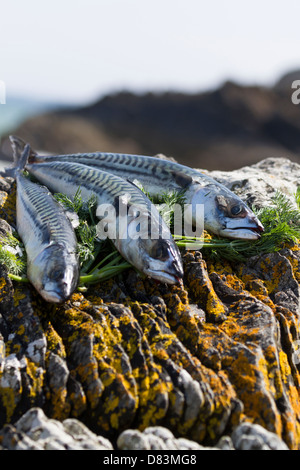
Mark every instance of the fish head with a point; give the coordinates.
(161, 260)
(226, 215)
(54, 273)
(149, 247)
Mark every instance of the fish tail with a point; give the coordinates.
(18, 146)
(20, 156)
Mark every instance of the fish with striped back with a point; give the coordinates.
(225, 214)
(148, 244)
(48, 236)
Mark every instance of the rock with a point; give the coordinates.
(34, 431)
(258, 183)
(148, 365)
(225, 443)
(154, 438)
(246, 436)
(225, 128)
(254, 437)
(285, 82)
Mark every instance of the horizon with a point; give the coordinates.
(77, 52)
(24, 99)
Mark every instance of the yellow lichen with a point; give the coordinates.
(8, 399)
(36, 375)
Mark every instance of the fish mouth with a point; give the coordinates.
(53, 297)
(249, 228)
(166, 276)
(243, 233)
(57, 296)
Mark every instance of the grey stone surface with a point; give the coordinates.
(34, 431)
(254, 437)
(257, 184)
(155, 438)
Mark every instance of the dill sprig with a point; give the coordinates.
(100, 261)
(105, 269)
(281, 221)
(165, 204)
(12, 254)
(282, 218)
(87, 244)
(73, 205)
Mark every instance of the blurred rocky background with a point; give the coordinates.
(222, 129)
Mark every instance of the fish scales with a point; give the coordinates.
(224, 213)
(44, 215)
(94, 180)
(157, 257)
(221, 211)
(142, 168)
(49, 240)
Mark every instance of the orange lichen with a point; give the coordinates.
(126, 361)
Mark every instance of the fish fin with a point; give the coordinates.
(18, 146)
(20, 161)
(182, 179)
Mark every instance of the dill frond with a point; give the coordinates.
(13, 255)
(297, 197)
(88, 247)
(281, 221)
(100, 261)
(74, 204)
(165, 204)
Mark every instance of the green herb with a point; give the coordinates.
(100, 261)
(74, 205)
(281, 221)
(165, 203)
(283, 218)
(297, 197)
(12, 255)
(87, 246)
(105, 269)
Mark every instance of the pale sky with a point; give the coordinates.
(78, 50)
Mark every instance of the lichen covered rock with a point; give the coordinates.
(200, 359)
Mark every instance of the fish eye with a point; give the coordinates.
(57, 274)
(236, 210)
(161, 252)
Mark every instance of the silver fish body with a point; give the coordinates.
(225, 214)
(157, 257)
(49, 240)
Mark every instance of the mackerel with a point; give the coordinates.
(158, 256)
(48, 237)
(225, 214)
